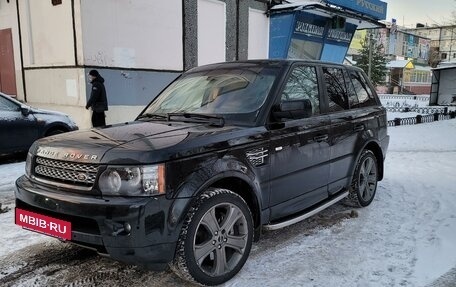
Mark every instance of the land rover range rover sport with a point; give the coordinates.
(225, 151)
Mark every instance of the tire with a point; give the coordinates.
(212, 248)
(364, 183)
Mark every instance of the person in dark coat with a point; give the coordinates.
(98, 100)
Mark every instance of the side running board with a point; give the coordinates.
(294, 220)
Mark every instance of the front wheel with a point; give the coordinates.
(364, 184)
(216, 238)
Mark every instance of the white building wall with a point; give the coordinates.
(8, 20)
(78, 32)
(52, 79)
(62, 89)
(258, 35)
(132, 34)
(211, 32)
(447, 89)
(47, 33)
(112, 35)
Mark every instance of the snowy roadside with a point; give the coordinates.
(16, 238)
(8, 175)
(404, 238)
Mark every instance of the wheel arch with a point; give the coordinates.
(235, 181)
(377, 150)
(54, 127)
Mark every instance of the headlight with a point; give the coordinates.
(133, 180)
(28, 164)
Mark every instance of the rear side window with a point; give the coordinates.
(303, 85)
(362, 91)
(336, 89)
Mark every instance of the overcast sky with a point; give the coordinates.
(409, 12)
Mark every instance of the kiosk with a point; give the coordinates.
(320, 31)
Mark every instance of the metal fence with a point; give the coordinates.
(424, 98)
(419, 119)
(421, 110)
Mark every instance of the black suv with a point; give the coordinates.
(225, 151)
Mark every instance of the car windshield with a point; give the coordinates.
(229, 92)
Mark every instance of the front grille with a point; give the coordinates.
(66, 172)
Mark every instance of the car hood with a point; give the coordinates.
(141, 142)
(36, 111)
(53, 116)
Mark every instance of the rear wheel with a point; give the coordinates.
(216, 238)
(364, 184)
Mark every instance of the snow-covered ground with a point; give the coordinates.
(406, 237)
(14, 239)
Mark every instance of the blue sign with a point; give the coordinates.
(304, 35)
(310, 25)
(373, 8)
(341, 36)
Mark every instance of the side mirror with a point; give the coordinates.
(295, 109)
(25, 110)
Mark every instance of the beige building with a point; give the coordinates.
(139, 47)
(443, 42)
(408, 58)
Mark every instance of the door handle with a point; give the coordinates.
(321, 138)
(359, 128)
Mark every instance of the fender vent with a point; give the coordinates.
(257, 156)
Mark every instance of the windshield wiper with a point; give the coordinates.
(212, 120)
(155, 116)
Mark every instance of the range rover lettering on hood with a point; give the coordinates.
(79, 156)
(65, 155)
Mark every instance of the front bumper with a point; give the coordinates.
(98, 223)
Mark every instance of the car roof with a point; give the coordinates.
(266, 63)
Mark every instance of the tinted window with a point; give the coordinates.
(6, 105)
(303, 85)
(362, 90)
(352, 96)
(336, 89)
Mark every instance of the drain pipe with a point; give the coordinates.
(24, 86)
